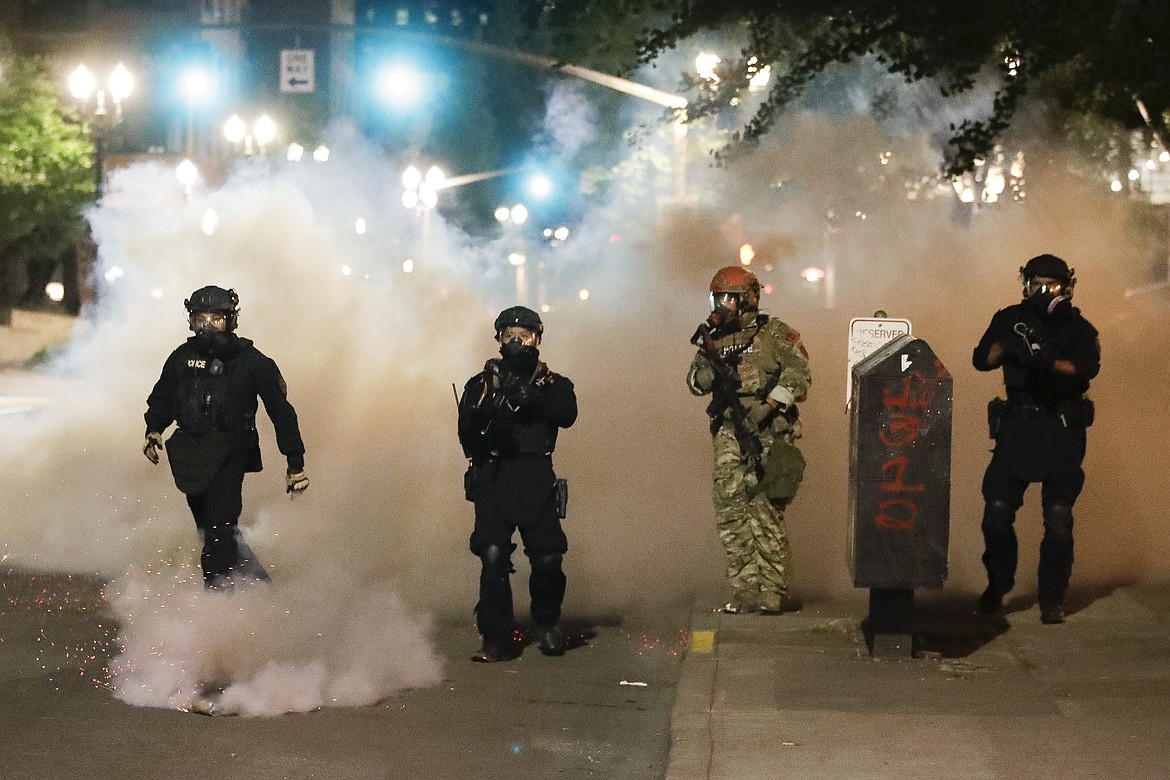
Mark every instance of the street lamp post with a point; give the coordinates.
(235, 131)
(512, 218)
(120, 84)
(420, 193)
(196, 85)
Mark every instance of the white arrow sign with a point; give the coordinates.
(905, 362)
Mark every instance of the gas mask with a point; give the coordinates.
(724, 318)
(518, 348)
(1048, 296)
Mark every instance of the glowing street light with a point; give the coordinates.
(263, 132)
(400, 84)
(187, 174)
(195, 86)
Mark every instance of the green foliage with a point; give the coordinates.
(46, 167)
(1093, 57)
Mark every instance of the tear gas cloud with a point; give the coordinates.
(370, 352)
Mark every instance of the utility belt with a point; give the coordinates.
(471, 480)
(1071, 413)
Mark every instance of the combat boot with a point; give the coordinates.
(742, 602)
(551, 640)
(990, 601)
(1051, 612)
(771, 603)
(490, 653)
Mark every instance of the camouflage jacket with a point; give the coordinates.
(768, 357)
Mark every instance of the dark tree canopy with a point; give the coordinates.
(46, 171)
(1108, 59)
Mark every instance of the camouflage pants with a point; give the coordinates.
(759, 560)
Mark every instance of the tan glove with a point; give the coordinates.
(296, 483)
(154, 443)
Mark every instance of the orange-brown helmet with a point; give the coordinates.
(737, 280)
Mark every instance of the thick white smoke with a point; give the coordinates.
(370, 353)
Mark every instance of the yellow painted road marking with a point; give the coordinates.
(702, 641)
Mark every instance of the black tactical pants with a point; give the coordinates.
(1033, 447)
(517, 494)
(217, 513)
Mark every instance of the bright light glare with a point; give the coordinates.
(400, 84)
(196, 84)
(359, 226)
(540, 186)
(121, 83)
(502, 214)
(321, 153)
(115, 273)
(408, 266)
(234, 129)
(1164, 157)
(561, 233)
(812, 274)
(435, 177)
(516, 258)
(295, 152)
(81, 83)
(1151, 165)
(1134, 175)
(705, 64)
(519, 214)
(746, 254)
(346, 270)
(410, 198)
(428, 195)
(209, 222)
(265, 130)
(411, 178)
(186, 173)
(760, 79)
(55, 291)
(583, 294)
(1115, 185)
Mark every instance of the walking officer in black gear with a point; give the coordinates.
(209, 386)
(1049, 353)
(509, 416)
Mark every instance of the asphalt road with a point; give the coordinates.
(532, 717)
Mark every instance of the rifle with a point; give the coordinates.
(725, 398)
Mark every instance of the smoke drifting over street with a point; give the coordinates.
(370, 352)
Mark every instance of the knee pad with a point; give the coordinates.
(998, 510)
(550, 562)
(496, 560)
(1058, 516)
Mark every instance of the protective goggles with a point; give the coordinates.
(725, 300)
(525, 336)
(209, 319)
(1054, 287)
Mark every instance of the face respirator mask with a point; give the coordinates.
(519, 357)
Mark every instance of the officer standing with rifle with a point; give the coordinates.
(1048, 353)
(509, 416)
(756, 370)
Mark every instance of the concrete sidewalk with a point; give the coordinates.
(799, 696)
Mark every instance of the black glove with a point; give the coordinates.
(1044, 353)
(519, 394)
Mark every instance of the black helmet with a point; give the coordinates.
(1046, 265)
(215, 299)
(519, 316)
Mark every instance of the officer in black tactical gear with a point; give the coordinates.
(1048, 353)
(509, 415)
(209, 386)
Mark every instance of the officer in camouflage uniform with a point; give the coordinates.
(757, 370)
